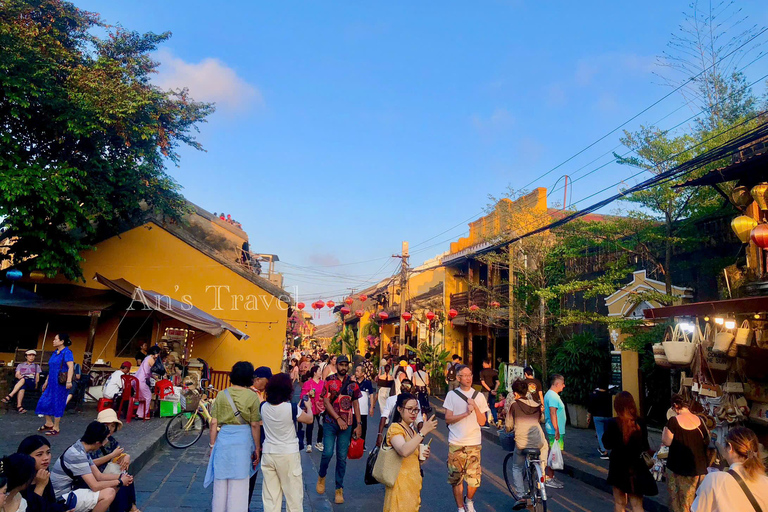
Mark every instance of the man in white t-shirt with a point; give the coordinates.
(465, 414)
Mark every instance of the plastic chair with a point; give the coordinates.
(130, 397)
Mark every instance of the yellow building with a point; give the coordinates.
(201, 287)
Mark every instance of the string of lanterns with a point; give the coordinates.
(745, 227)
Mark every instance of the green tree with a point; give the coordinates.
(85, 136)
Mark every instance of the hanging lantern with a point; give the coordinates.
(348, 301)
(452, 314)
(359, 313)
(430, 316)
(344, 310)
(300, 305)
(760, 236)
(363, 298)
(407, 316)
(320, 304)
(383, 315)
(474, 307)
(330, 304)
(13, 275)
(740, 196)
(759, 195)
(495, 304)
(743, 226)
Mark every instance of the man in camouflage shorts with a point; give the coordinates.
(465, 413)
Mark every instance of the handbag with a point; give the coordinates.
(647, 458)
(743, 337)
(356, 448)
(62, 377)
(680, 350)
(386, 468)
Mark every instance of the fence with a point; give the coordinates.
(219, 380)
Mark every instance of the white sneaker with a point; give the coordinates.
(319, 446)
(309, 448)
(469, 505)
(554, 484)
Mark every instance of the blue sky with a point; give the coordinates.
(346, 127)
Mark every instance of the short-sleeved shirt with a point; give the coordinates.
(77, 461)
(389, 406)
(334, 388)
(28, 370)
(366, 390)
(534, 388)
(552, 399)
(465, 432)
(246, 401)
(140, 356)
(279, 432)
(490, 377)
(688, 452)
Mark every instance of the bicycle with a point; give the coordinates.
(533, 479)
(186, 428)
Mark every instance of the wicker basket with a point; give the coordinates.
(189, 403)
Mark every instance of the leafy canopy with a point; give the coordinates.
(84, 135)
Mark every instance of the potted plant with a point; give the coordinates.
(581, 360)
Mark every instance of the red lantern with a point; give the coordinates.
(344, 310)
(300, 305)
(407, 316)
(349, 301)
(452, 314)
(330, 304)
(363, 298)
(383, 315)
(430, 316)
(474, 307)
(759, 236)
(320, 304)
(495, 304)
(359, 313)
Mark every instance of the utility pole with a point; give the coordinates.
(403, 293)
(513, 356)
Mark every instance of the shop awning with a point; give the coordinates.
(745, 305)
(70, 302)
(183, 312)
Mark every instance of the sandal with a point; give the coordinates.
(7, 399)
(45, 428)
(51, 432)
(21, 410)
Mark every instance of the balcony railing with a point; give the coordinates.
(462, 300)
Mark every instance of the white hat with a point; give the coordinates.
(30, 353)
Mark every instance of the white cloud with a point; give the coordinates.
(209, 80)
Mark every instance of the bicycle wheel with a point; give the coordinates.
(184, 430)
(507, 467)
(536, 486)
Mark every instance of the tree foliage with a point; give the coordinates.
(84, 135)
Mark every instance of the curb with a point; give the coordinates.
(317, 502)
(146, 449)
(598, 482)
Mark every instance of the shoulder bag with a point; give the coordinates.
(77, 481)
(387, 466)
(743, 485)
(238, 416)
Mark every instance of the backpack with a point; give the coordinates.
(451, 376)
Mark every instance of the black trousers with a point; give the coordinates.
(310, 428)
(364, 426)
(251, 485)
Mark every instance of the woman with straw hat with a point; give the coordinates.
(111, 458)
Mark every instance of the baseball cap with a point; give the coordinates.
(263, 372)
(342, 359)
(126, 364)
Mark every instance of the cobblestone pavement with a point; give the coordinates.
(173, 481)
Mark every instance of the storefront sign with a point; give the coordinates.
(616, 369)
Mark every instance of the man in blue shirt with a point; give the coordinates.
(554, 411)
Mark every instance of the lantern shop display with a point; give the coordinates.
(758, 193)
(740, 196)
(759, 236)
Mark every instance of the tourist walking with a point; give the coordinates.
(489, 380)
(261, 376)
(39, 495)
(281, 461)
(61, 366)
(450, 372)
(236, 448)
(28, 377)
(554, 411)
(535, 389)
(405, 495)
(421, 387)
(330, 367)
(465, 413)
(524, 418)
(313, 388)
(75, 468)
(385, 383)
(627, 438)
(144, 375)
(688, 441)
(722, 491)
(17, 472)
(600, 412)
(365, 402)
(342, 417)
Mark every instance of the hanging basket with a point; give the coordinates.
(681, 349)
(660, 357)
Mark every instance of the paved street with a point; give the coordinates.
(173, 481)
(436, 494)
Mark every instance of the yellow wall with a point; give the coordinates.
(152, 258)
